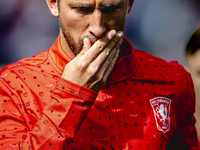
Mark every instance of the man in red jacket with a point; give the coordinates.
(92, 91)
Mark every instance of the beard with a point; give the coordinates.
(75, 46)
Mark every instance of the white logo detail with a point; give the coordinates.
(4, 75)
(102, 139)
(52, 129)
(161, 109)
(133, 115)
(49, 85)
(15, 113)
(12, 145)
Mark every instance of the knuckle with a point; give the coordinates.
(99, 46)
(107, 51)
(81, 66)
(109, 59)
(104, 79)
(92, 69)
(98, 78)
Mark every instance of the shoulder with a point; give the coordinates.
(168, 77)
(159, 70)
(25, 70)
(147, 60)
(35, 60)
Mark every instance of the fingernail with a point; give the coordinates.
(84, 42)
(113, 32)
(120, 34)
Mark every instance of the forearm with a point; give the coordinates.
(59, 122)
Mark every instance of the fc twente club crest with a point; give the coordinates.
(161, 109)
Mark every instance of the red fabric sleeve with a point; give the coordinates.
(59, 122)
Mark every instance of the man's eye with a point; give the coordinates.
(83, 9)
(111, 9)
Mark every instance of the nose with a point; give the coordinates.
(97, 24)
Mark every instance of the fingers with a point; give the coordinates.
(86, 46)
(113, 43)
(111, 66)
(104, 59)
(108, 63)
(107, 54)
(102, 75)
(92, 66)
(105, 44)
(103, 69)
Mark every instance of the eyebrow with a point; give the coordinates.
(102, 6)
(112, 4)
(78, 4)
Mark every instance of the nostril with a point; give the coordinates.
(98, 33)
(103, 35)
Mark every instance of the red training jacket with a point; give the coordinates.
(147, 104)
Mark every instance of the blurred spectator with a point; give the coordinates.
(192, 56)
(159, 27)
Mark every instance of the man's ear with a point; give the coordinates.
(130, 5)
(53, 7)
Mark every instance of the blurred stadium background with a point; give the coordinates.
(159, 27)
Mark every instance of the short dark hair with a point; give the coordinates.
(194, 43)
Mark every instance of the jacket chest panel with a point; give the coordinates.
(123, 117)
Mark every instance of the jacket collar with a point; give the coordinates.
(124, 68)
(58, 55)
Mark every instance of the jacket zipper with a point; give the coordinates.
(115, 110)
